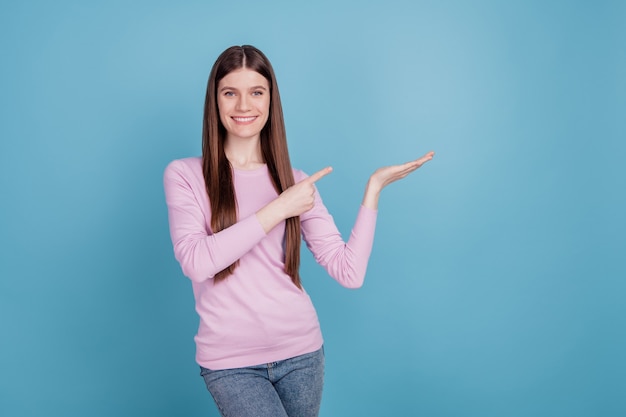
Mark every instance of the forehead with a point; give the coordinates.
(243, 78)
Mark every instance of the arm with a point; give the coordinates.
(202, 254)
(347, 262)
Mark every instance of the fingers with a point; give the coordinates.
(413, 165)
(319, 175)
(427, 157)
(405, 169)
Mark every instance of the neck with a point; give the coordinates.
(244, 153)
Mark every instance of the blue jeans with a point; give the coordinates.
(287, 388)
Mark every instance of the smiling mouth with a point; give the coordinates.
(244, 119)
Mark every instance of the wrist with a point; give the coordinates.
(372, 194)
(271, 214)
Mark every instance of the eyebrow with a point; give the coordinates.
(256, 87)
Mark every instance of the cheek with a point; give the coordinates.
(221, 110)
(266, 108)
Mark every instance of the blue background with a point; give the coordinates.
(497, 282)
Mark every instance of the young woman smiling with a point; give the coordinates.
(237, 216)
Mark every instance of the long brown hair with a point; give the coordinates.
(216, 167)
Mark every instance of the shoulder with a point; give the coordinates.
(188, 170)
(183, 166)
(192, 163)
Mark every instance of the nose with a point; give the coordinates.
(243, 103)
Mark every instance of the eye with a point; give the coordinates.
(257, 93)
(228, 94)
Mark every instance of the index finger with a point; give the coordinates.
(319, 174)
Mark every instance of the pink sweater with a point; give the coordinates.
(257, 315)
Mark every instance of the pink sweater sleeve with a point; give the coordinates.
(346, 262)
(202, 254)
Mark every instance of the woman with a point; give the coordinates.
(236, 219)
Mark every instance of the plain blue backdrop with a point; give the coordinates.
(497, 282)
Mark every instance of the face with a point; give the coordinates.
(243, 101)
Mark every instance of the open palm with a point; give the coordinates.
(384, 176)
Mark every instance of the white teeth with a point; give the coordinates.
(244, 119)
